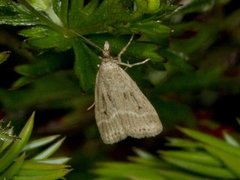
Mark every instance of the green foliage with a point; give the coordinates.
(66, 38)
(4, 56)
(55, 45)
(17, 161)
(63, 25)
(203, 157)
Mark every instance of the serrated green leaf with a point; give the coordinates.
(210, 140)
(14, 168)
(15, 14)
(136, 52)
(154, 30)
(40, 142)
(47, 90)
(47, 63)
(85, 65)
(17, 146)
(109, 13)
(212, 171)
(6, 134)
(4, 144)
(49, 151)
(45, 38)
(75, 13)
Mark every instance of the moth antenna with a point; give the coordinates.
(88, 41)
(125, 48)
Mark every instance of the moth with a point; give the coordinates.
(121, 109)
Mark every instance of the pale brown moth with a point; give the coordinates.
(121, 109)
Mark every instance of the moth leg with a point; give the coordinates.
(90, 107)
(135, 64)
(124, 49)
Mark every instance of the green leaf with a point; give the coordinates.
(210, 140)
(177, 61)
(6, 134)
(193, 156)
(174, 112)
(197, 6)
(137, 51)
(191, 81)
(63, 10)
(230, 140)
(31, 169)
(91, 7)
(31, 164)
(230, 160)
(85, 65)
(17, 146)
(40, 142)
(4, 56)
(14, 168)
(174, 174)
(212, 171)
(58, 160)
(184, 143)
(45, 38)
(46, 63)
(154, 30)
(40, 5)
(15, 14)
(22, 81)
(149, 6)
(127, 170)
(49, 151)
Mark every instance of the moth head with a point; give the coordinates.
(106, 50)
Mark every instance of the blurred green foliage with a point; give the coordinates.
(19, 161)
(54, 44)
(204, 157)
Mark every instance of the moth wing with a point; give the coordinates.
(121, 108)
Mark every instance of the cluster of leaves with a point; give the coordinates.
(20, 161)
(205, 157)
(64, 39)
(62, 25)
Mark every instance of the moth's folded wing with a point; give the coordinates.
(138, 116)
(106, 114)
